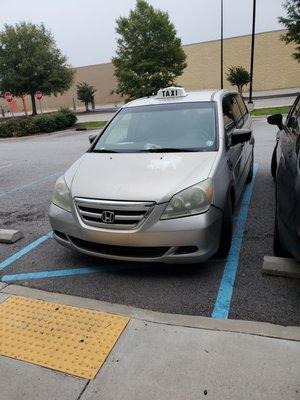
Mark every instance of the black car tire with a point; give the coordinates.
(226, 230)
(278, 250)
(274, 163)
(250, 174)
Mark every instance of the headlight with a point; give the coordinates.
(61, 194)
(193, 200)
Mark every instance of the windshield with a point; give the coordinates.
(161, 128)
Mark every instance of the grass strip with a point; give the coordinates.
(90, 124)
(270, 110)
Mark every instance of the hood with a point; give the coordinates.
(138, 176)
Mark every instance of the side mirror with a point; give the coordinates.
(92, 138)
(240, 136)
(275, 119)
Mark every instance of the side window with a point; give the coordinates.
(242, 105)
(293, 121)
(229, 122)
(297, 122)
(236, 111)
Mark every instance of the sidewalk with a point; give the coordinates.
(273, 98)
(157, 356)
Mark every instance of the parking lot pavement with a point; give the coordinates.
(25, 195)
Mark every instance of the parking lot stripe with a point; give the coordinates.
(222, 305)
(67, 272)
(51, 274)
(5, 166)
(16, 189)
(25, 250)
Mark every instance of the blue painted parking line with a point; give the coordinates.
(67, 272)
(41, 180)
(222, 305)
(50, 274)
(25, 250)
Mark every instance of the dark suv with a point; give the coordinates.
(285, 168)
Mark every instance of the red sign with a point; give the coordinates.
(38, 95)
(8, 96)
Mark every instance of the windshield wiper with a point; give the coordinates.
(169, 150)
(104, 151)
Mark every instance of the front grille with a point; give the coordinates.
(124, 214)
(123, 251)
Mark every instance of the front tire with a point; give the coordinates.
(274, 164)
(250, 174)
(226, 230)
(278, 250)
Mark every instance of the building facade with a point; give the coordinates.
(274, 68)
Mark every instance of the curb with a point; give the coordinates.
(264, 116)
(272, 96)
(88, 129)
(278, 266)
(64, 132)
(198, 322)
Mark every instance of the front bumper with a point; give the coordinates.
(181, 240)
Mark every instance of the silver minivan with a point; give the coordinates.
(161, 182)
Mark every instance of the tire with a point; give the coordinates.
(250, 174)
(274, 164)
(226, 230)
(278, 250)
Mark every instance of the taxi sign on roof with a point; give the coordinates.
(170, 92)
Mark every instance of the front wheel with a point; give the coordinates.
(226, 230)
(250, 174)
(278, 250)
(274, 164)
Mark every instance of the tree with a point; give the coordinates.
(30, 61)
(85, 93)
(292, 24)
(149, 54)
(238, 76)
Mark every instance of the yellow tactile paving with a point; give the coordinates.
(68, 339)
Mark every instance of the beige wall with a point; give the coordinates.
(100, 76)
(274, 68)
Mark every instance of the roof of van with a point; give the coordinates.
(193, 96)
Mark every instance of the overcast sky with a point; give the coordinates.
(85, 29)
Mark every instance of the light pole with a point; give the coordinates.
(222, 49)
(252, 52)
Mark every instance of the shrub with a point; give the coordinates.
(39, 124)
(45, 123)
(85, 93)
(25, 127)
(61, 121)
(70, 116)
(8, 129)
(238, 76)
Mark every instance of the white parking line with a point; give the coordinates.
(4, 166)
